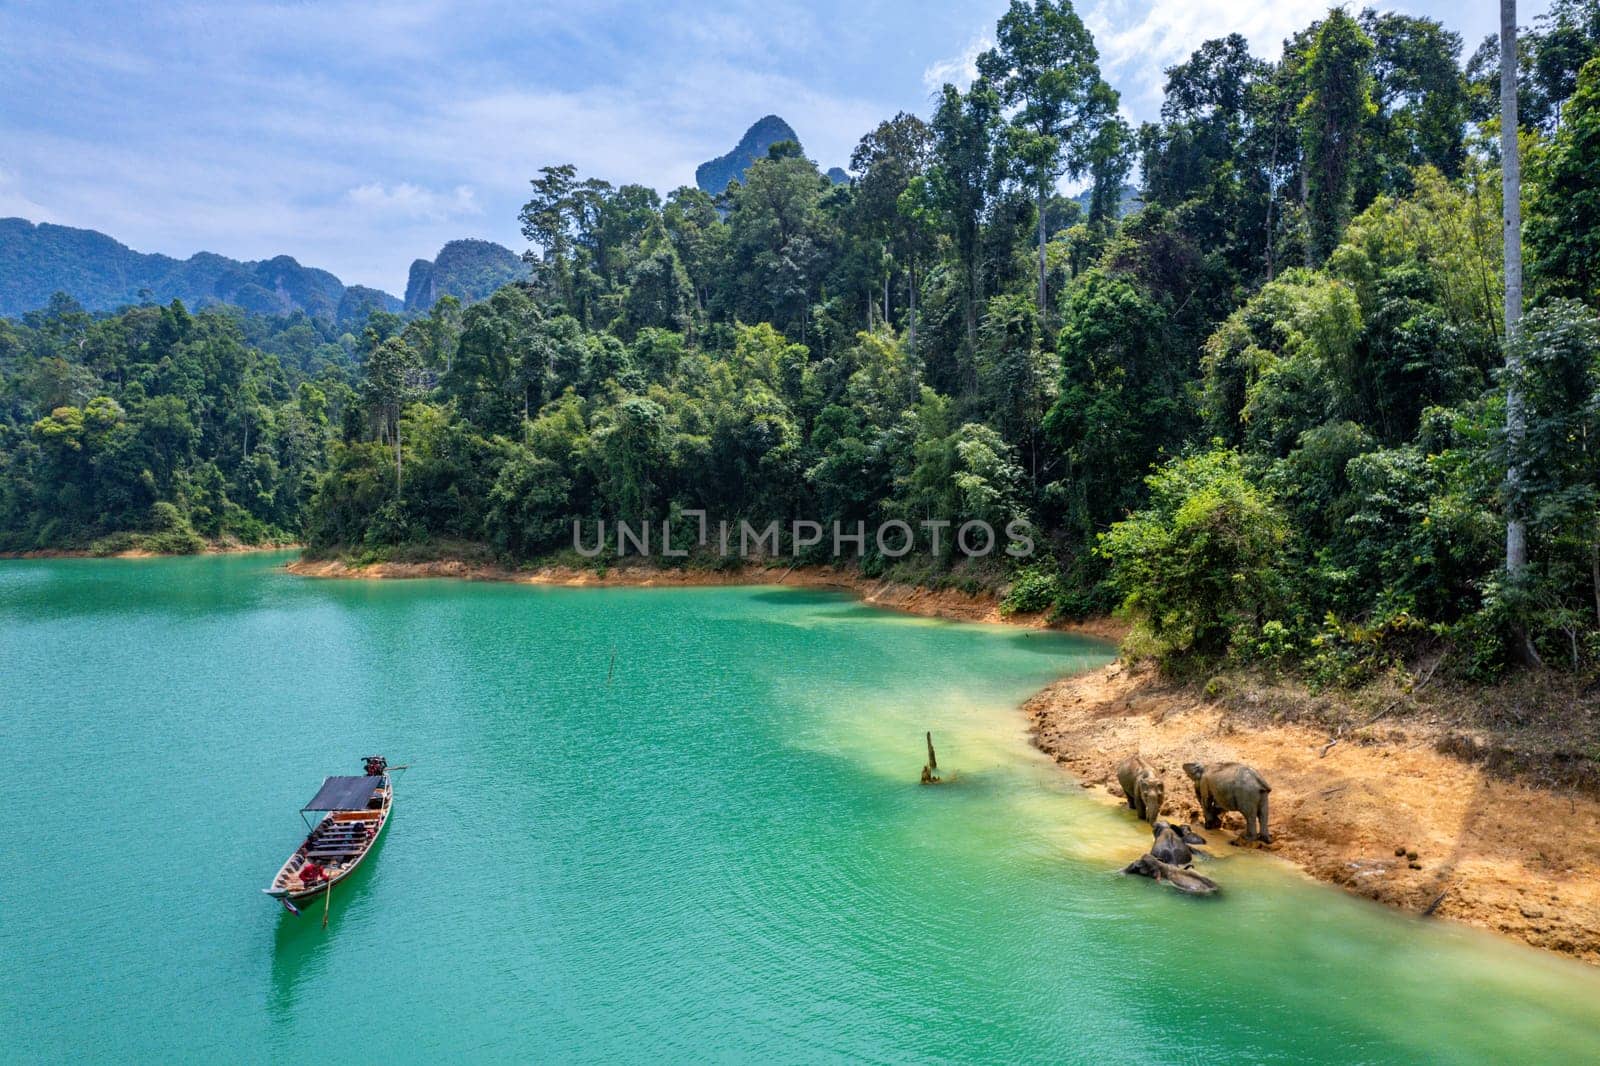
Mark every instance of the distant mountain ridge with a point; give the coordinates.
(38, 260)
(101, 273)
(468, 269)
(714, 174)
(1129, 200)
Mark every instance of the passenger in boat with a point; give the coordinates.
(311, 873)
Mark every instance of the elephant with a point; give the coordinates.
(1172, 843)
(1231, 786)
(1143, 788)
(1185, 881)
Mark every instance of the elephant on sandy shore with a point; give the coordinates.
(1145, 792)
(1171, 844)
(1231, 786)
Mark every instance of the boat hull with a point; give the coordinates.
(278, 891)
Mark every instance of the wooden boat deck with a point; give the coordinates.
(337, 843)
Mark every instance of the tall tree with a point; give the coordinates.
(1203, 121)
(962, 178)
(1110, 160)
(1420, 103)
(886, 162)
(1337, 104)
(546, 222)
(1549, 57)
(392, 381)
(1044, 63)
(1511, 197)
(698, 234)
(1564, 213)
(776, 239)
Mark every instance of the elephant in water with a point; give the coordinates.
(1142, 786)
(1185, 881)
(1172, 843)
(1231, 786)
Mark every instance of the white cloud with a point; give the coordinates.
(357, 136)
(15, 203)
(406, 200)
(957, 70)
(1139, 40)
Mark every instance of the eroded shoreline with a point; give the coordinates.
(952, 604)
(1494, 853)
(1500, 855)
(213, 548)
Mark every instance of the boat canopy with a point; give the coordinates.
(343, 794)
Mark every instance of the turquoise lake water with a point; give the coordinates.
(720, 855)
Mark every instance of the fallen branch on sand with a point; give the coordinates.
(1402, 697)
(1387, 709)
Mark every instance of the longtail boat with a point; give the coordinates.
(354, 811)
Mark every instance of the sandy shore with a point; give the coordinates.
(952, 604)
(140, 553)
(1518, 860)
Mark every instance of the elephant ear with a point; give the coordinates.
(1191, 837)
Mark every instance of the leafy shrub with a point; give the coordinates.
(1275, 643)
(527, 506)
(169, 534)
(390, 525)
(1347, 654)
(1203, 558)
(1035, 589)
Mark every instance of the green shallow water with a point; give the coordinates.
(721, 855)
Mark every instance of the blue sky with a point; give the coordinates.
(359, 136)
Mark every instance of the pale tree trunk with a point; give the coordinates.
(1511, 194)
(1043, 311)
(1305, 210)
(1272, 196)
(973, 282)
(1594, 542)
(911, 303)
(1594, 569)
(397, 471)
